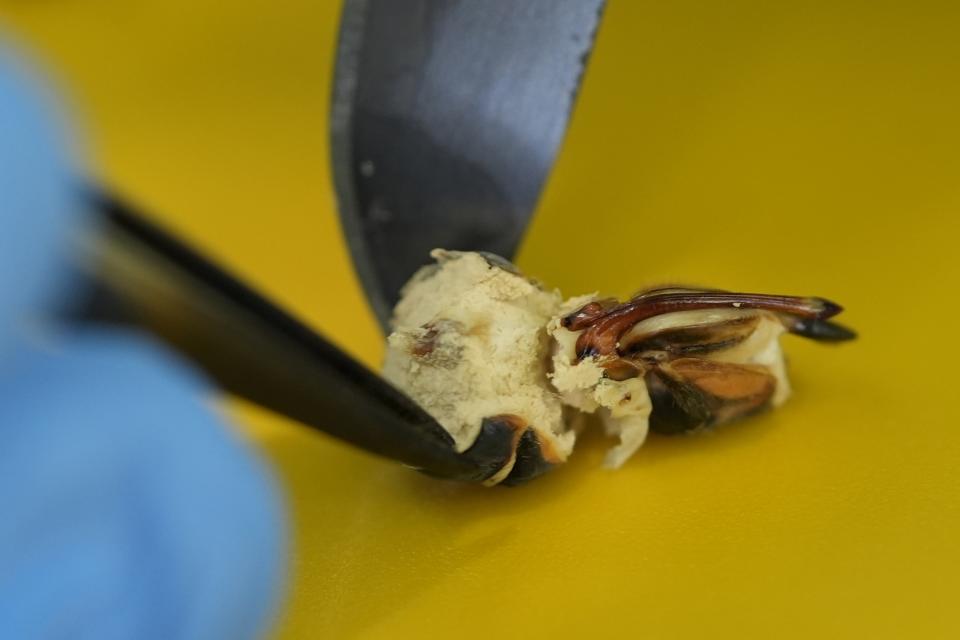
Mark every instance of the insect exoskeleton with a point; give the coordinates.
(495, 357)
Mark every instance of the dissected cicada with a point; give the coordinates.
(504, 364)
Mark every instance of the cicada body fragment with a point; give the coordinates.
(505, 365)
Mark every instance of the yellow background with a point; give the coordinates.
(808, 148)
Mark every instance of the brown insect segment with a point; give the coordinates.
(699, 339)
(670, 288)
(602, 331)
(693, 392)
(516, 426)
(588, 314)
(620, 370)
(507, 438)
(690, 393)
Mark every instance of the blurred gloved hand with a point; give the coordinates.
(127, 510)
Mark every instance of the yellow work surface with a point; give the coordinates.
(809, 148)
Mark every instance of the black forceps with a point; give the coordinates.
(446, 118)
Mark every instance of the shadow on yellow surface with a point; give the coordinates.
(747, 145)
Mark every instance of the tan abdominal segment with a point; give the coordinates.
(468, 343)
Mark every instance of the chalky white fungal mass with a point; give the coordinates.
(474, 339)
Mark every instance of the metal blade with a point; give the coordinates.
(446, 119)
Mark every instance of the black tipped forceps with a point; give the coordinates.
(446, 118)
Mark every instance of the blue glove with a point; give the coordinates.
(38, 210)
(127, 509)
